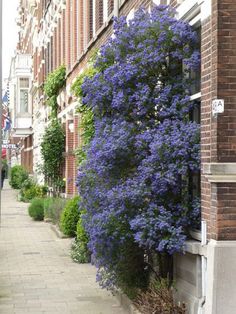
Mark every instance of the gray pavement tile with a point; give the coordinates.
(37, 274)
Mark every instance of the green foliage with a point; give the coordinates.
(87, 131)
(52, 102)
(80, 253)
(132, 273)
(53, 207)
(36, 209)
(86, 126)
(30, 189)
(54, 82)
(76, 87)
(70, 217)
(79, 248)
(81, 235)
(17, 176)
(52, 148)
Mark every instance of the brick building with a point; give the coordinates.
(58, 32)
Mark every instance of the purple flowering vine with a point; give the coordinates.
(135, 181)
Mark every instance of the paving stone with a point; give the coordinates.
(37, 274)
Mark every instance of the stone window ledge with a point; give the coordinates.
(220, 172)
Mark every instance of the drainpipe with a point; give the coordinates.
(116, 8)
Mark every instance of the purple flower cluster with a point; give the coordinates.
(135, 181)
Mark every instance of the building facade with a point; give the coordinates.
(20, 110)
(56, 32)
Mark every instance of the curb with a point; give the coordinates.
(56, 230)
(126, 303)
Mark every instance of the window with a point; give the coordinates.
(24, 100)
(195, 177)
(24, 83)
(24, 94)
(196, 74)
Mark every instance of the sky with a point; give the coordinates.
(9, 36)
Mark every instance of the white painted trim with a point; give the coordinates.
(189, 9)
(195, 96)
(94, 18)
(28, 149)
(105, 10)
(221, 178)
(195, 20)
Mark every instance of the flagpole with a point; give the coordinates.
(1, 107)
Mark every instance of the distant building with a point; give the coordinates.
(20, 109)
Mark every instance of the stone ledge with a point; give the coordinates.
(220, 168)
(195, 247)
(220, 172)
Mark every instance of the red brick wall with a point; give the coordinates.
(70, 160)
(80, 27)
(75, 31)
(75, 145)
(68, 24)
(99, 14)
(110, 6)
(206, 92)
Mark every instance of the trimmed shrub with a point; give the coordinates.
(36, 209)
(79, 248)
(80, 253)
(70, 217)
(17, 176)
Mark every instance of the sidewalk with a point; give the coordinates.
(37, 274)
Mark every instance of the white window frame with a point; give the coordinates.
(105, 10)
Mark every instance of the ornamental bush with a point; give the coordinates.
(69, 217)
(17, 176)
(79, 249)
(36, 209)
(134, 183)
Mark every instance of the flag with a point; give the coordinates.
(5, 98)
(6, 123)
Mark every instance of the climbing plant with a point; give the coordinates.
(134, 182)
(52, 86)
(52, 148)
(86, 125)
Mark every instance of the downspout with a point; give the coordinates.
(116, 8)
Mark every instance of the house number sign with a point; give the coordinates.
(218, 106)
